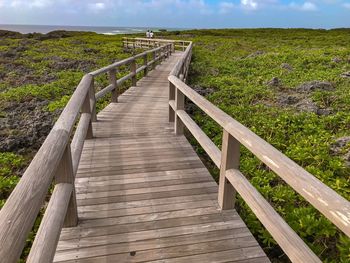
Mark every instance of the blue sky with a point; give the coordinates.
(179, 13)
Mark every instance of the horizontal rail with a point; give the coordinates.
(164, 50)
(124, 62)
(57, 160)
(79, 138)
(327, 201)
(23, 205)
(44, 248)
(284, 235)
(209, 147)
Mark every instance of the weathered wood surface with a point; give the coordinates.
(143, 194)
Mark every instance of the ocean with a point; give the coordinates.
(25, 29)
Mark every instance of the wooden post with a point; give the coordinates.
(86, 108)
(133, 70)
(154, 59)
(230, 154)
(183, 46)
(171, 97)
(64, 174)
(113, 81)
(145, 62)
(179, 105)
(92, 101)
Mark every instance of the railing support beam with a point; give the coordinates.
(145, 62)
(180, 105)
(230, 154)
(86, 108)
(171, 97)
(133, 68)
(64, 174)
(113, 81)
(92, 101)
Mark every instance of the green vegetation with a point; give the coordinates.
(236, 67)
(253, 75)
(36, 68)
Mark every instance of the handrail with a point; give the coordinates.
(58, 159)
(327, 201)
(139, 42)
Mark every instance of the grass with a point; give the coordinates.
(236, 65)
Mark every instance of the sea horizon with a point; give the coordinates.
(106, 30)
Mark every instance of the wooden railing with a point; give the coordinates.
(323, 198)
(57, 161)
(140, 42)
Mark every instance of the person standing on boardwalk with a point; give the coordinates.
(148, 34)
(151, 35)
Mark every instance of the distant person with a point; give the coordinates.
(151, 34)
(148, 34)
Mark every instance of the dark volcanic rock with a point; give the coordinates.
(25, 126)
(203, 91)
(286, 66)
(67, 64)
(315, 85)
(255, 54)
(308, 105)
(285, 99)
(274, 82)
(345, 74)
(337, 148)
(190, 106)
(10, 34)
(337, 60)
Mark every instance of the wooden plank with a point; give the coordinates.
(148, 217)
(152, 176)
(149, 255)
(142, 245)
(106, 187)
(143, 235)
(141, 203)
(141, 189)
(221, 256)
(96, 195)
(76, 233)
(147, 196)
(111, 213)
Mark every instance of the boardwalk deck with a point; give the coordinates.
(143, 194)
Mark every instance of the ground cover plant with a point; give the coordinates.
(291, 87)
(38, 74)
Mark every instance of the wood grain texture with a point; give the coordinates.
(335, 207)
(284, 235)
(142, 189)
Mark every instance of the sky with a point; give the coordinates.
(179, 13)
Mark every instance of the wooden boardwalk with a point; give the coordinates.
(143, 194)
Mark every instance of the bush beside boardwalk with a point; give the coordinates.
(291, 87)
(288, 86)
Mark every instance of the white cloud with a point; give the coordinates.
(97, 6)
(226, 7)
(306, 6)
(346, 5)
(249, 4)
